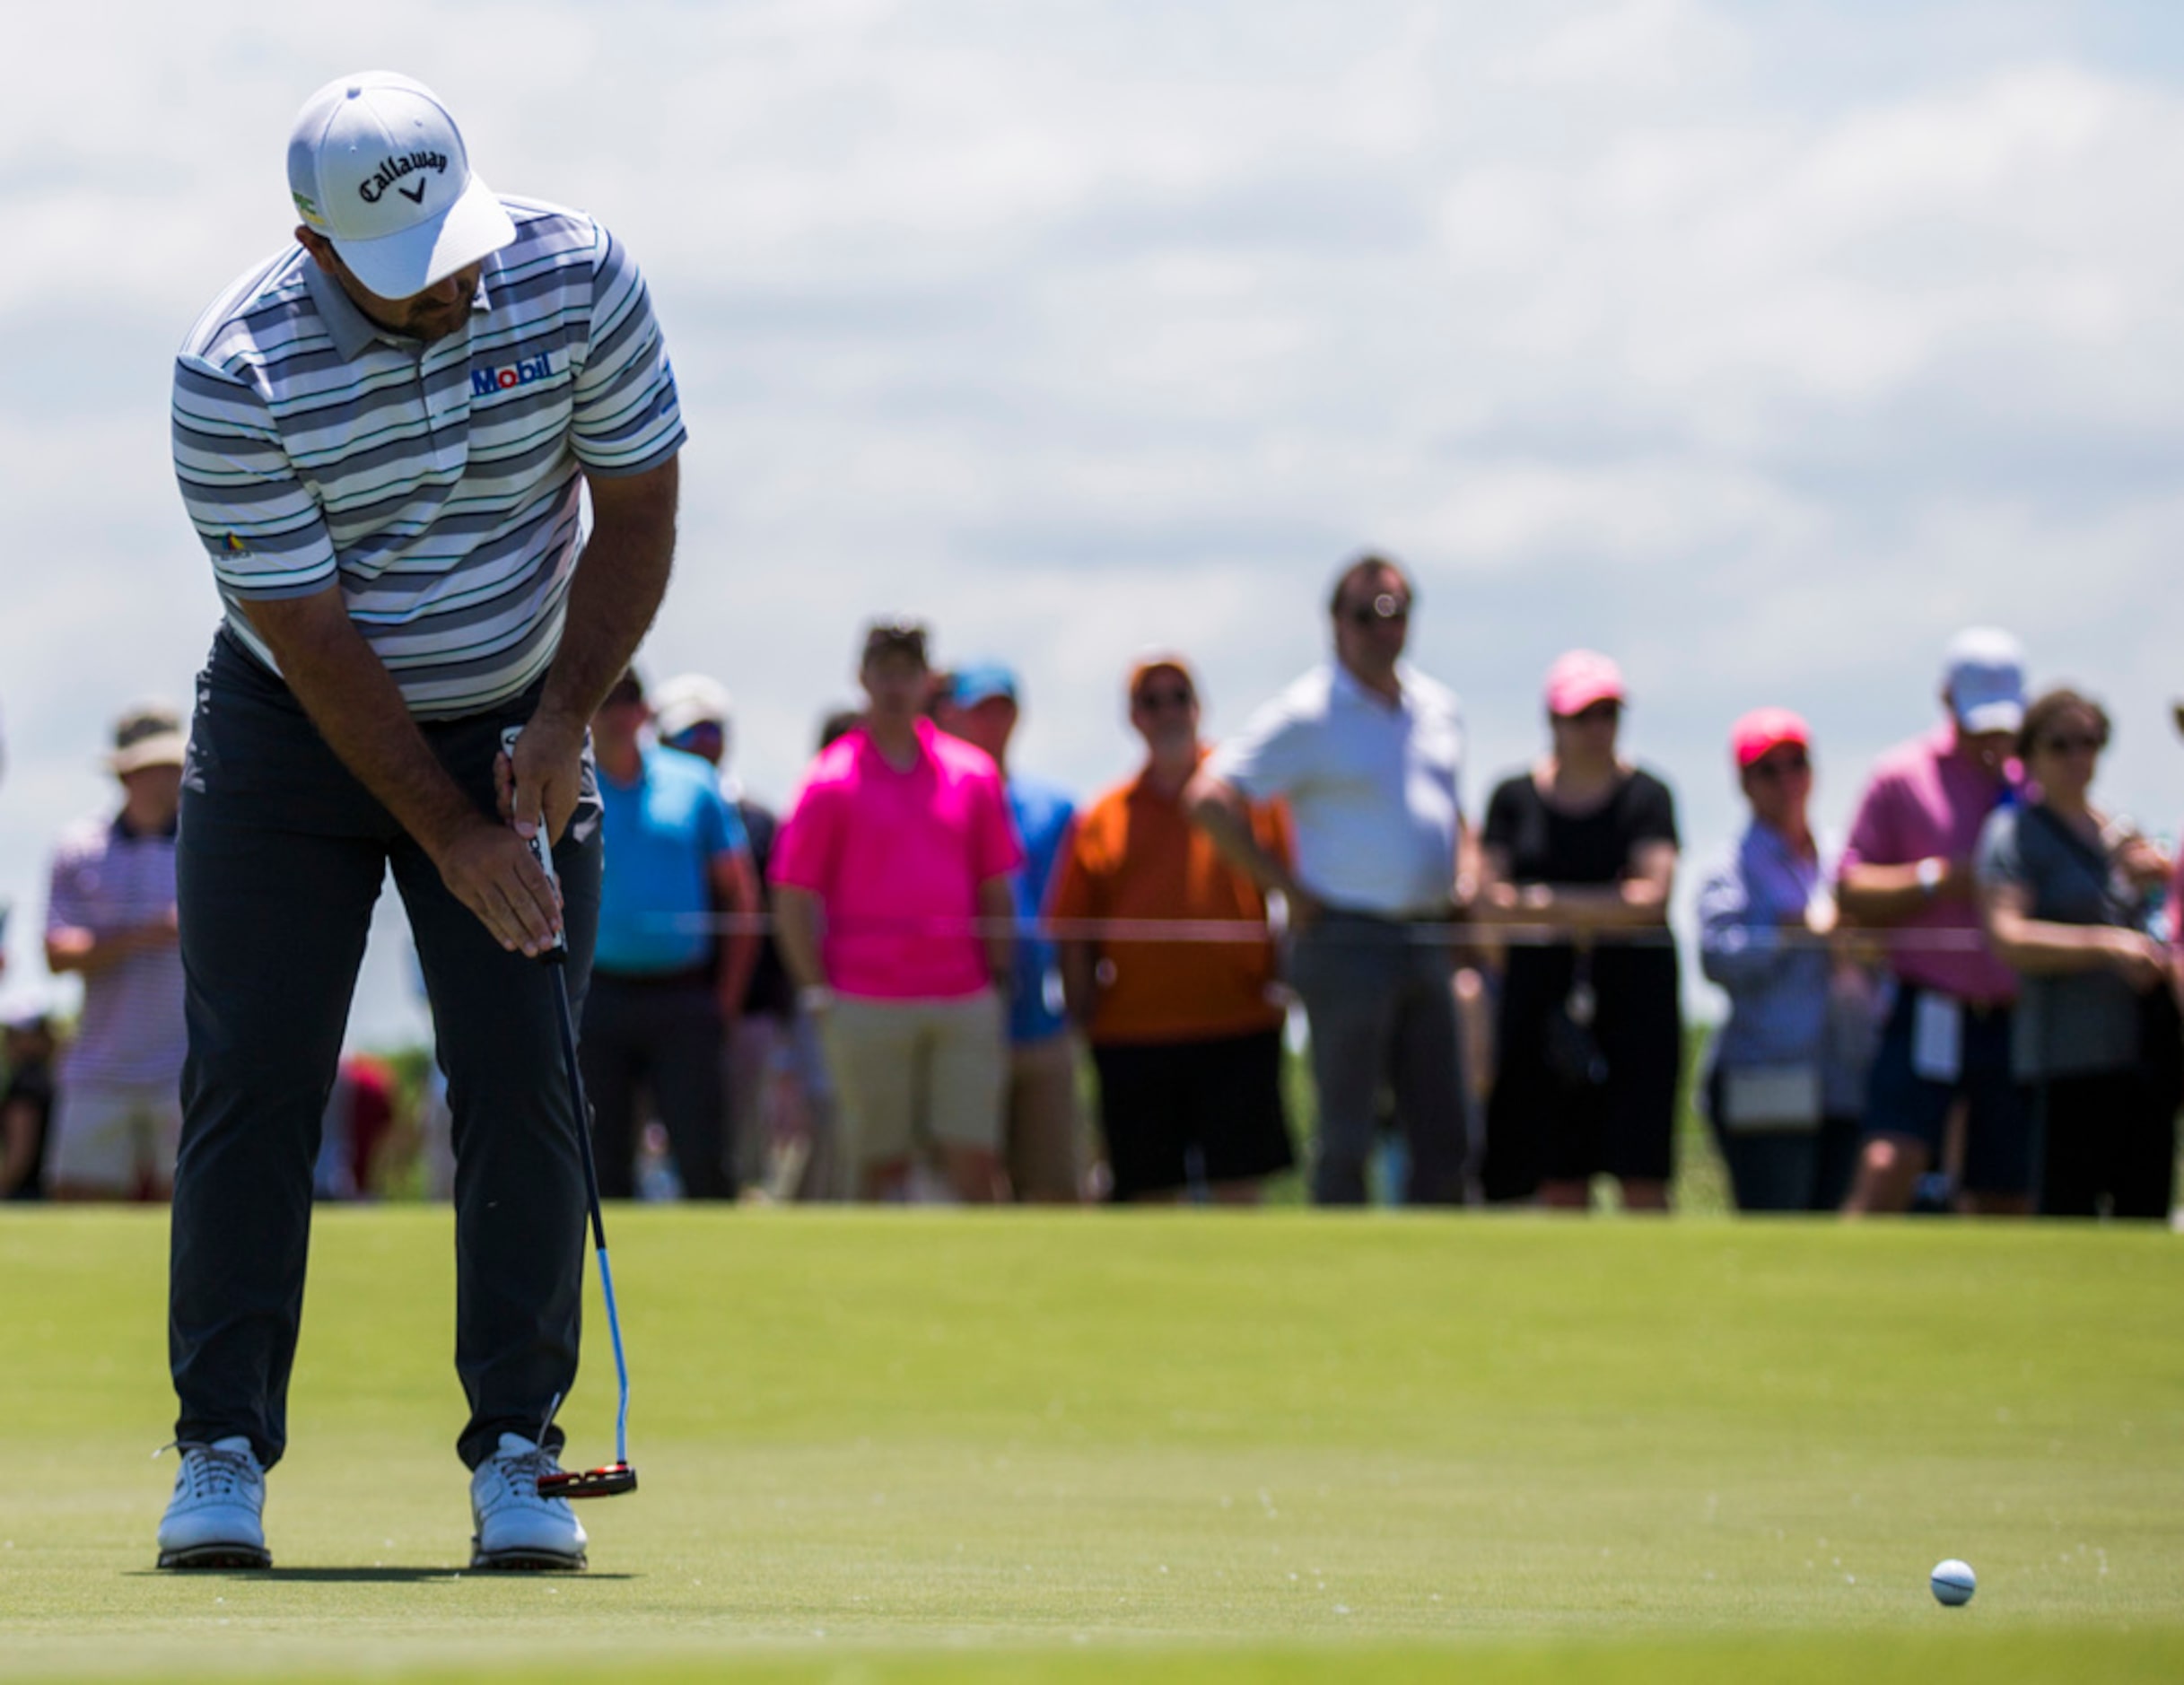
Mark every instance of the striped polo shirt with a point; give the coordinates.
(440, 484)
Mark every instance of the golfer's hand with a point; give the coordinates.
(545, 776)
(491, 871)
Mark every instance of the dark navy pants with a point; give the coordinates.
(662, 1035)
(279, 860)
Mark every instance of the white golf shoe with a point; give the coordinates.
(215, 1520)
(512, 1526)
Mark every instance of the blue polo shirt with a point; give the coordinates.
(1044, 813)
(662, 834)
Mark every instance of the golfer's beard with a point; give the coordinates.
(437, 321)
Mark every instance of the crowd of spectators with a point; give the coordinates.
(889, 989)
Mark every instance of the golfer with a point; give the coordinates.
(384, 436)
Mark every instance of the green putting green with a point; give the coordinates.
(921, 1445)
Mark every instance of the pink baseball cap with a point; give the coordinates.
(1578, 679)
(1764, 729)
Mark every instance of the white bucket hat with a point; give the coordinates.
(377, 165)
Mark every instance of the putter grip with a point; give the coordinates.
(541, 849)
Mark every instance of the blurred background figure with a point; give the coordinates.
(1367, 752)
(1042, 1131)
(1907, 868)
(2067, 892)
(359, 1120)
(1592, 1034)
(776, 1151)
(111, 918)
(1787, 1070)
(26, 1099)
(1186, 1035)
(665, 987)
(896, 918)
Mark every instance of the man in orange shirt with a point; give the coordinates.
(1186, 1034)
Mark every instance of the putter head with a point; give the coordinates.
(611, 1482)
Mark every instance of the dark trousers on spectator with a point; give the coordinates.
(1379, 997)
(2113, 1135)
(662, 1035)
(1786, 1170)
(279, 859)
(2102, 1142)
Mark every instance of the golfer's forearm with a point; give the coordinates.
(360, 711)
(619, 581)
(796, 934)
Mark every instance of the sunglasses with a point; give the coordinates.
(1779, 766)
(1383, 610)
(2086, 745)
(1152, 701)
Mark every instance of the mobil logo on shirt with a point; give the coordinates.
(523, 371)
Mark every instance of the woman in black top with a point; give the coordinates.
(2064, 892)
(1591, 1034)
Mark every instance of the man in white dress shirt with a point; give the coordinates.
(1369, 753)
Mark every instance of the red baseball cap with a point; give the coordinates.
(1764, 729)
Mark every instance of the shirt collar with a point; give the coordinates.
(926, 732)
(1346, 683)
(1141, 785)
(351, 331)
(1942, 742)
(168, 832)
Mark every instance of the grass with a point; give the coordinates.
(907, 1446)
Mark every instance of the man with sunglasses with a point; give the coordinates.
(1908, 868)
(1369, 753)
(1186, 1034)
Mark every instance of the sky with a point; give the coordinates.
(1760, 346)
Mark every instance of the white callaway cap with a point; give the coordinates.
(1983, 675)
(378, 166)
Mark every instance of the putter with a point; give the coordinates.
(617, 1477)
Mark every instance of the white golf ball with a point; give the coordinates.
(1954, 1583)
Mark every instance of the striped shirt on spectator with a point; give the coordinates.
(439, 483)
(107, 879)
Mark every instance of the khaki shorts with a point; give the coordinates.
(112, 1138)
(912, 1074)
(1044, 1162)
